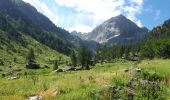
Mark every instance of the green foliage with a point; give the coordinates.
(79, 85)
(55, 67)
(1, 62)
(31, 56)
(85, 58)
(14, 51)
(127, 51)
(157, 47)
(148, 52)
(45, 86)
(74, 59)
(33, 77)
(32, 23)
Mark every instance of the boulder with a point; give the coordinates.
(35, 97)
(131, 93)
(47, 67)
(59, 70)
(126, 70)
(6, 74)
(56, 71)
(78, 68)
(69, 68)
(138, 70)
(12, 78)
(33, 66)
(56, 92)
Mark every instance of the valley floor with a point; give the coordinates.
(146, 80)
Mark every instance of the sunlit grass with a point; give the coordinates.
(76, 85)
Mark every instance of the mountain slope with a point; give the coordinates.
(78, 34)
(25, 18)
(15, 50)
(19, 16)
(117, 30)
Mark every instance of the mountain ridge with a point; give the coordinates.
(116, 30)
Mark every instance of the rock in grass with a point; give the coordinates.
(56, 71)
(78, 68)
(35, 97)
(130, 91)
(138, 70)
(69, 68)
(126, 70)
(59, 70)
(45, 67)
(12, 78)
(56, 92)
(6, 74)
(33, 66)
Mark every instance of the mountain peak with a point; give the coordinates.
(117, 30)
(121, 16)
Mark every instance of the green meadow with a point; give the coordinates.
(94, 84)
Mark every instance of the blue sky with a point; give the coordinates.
(85, 15)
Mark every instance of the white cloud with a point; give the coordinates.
(81, 28)
(134, 9)
(137, 2)
(43, 8)
(157, 14)
(101, 10)
(96, 11)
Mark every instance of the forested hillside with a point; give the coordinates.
(157, 42)
(18, 16)
(30, 22)
(14, 50)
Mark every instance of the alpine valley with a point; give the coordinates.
(117, 60)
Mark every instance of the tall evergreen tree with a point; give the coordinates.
(85, 58)
(31, 56)
(74, 59)
(55, 67)
(82, 56)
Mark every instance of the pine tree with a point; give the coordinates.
(74, 59)
(85, 57)
(55, 67)
(82, 56)
(31, 56)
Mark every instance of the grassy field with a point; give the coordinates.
(97, 83)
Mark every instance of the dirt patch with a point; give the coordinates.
(166, 81)
(50, 92)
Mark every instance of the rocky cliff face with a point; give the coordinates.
(116, 30)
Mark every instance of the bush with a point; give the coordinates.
(33, 66)
(1, 62)
(34, 77)
(55, 67)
